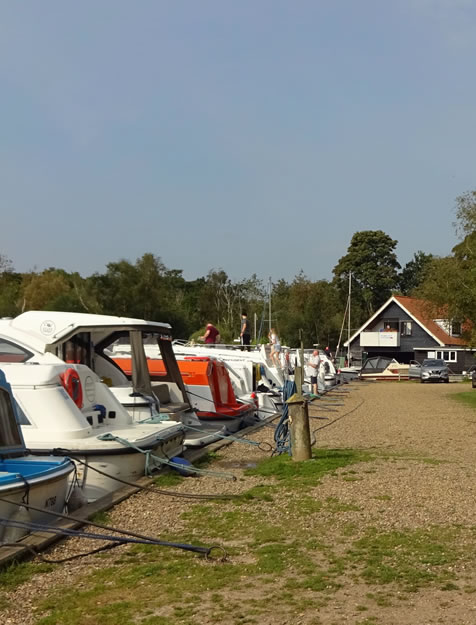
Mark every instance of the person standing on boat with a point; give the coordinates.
(211, 334)
(245, 332)
(275, 347)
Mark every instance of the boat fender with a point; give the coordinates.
(13, 534)
(185, 463)
(76, 500)
(72, 384)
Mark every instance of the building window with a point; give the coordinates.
(390, 325)
(455, 328)
(447, 356)
(406, 328)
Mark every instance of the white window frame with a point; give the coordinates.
(452, 355)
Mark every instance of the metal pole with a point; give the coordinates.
(255, 326)
(348, 320)
(269, 304)
(299, 390)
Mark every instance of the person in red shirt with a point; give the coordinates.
(211, 334)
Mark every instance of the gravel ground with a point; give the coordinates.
(436, 485)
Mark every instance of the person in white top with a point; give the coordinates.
(275, 347)
(313, 366)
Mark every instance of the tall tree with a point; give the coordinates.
(450, 283)
(413, 274)
(374, 266)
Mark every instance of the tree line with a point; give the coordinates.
(148, 289)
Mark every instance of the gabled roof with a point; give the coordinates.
(417, 309)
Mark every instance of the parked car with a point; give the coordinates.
(434, 369)
(473, 379)
(414, 369)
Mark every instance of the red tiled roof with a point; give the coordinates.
(419, 309)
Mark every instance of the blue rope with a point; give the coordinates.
(151, 459)
(282, 433)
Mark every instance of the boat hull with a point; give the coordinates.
(97, 469)
(46, 487)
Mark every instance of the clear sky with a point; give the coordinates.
(251, 135)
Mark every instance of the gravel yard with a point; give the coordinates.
(419, 474)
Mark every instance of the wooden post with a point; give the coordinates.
(299, 426)
(299, 390)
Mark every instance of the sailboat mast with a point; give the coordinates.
(348, 319)
(269, 303)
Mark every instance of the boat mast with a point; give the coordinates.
(269, 303)
(348, 319)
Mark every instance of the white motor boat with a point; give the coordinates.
(250, 372)
(24, 478)
(207, 382)
(66, 409)
(78, 338)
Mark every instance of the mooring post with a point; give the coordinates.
(299, 426)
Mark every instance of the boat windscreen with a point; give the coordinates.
(10, 437)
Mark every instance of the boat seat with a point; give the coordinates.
(162, 392)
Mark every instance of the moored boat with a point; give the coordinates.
(84, 419)
(79, 338)
(24, 478)
(208, 385)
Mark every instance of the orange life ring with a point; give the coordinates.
(72, 383)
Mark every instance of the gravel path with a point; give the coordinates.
(430, 480)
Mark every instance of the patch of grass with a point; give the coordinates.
(207, 459)
(308, 472)
(383, 600)
(102, 517)
(17, 574)
(219, 523)
(468, 398)
(261, 492)
(169, 479)
(335, 506)
(412, 559)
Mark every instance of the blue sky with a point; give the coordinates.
(251, 135)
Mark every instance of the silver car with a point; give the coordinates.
(434, 369)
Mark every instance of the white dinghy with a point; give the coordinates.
(67, 409)
(24, 478)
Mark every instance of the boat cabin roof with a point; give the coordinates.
(46, 329)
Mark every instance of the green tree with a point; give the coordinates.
(373, 263)
(466, 214)
(413, 274)
(52, 289)
(450, 282)
(312, 307)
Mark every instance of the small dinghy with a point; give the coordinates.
(68, 409)
(24, 478)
